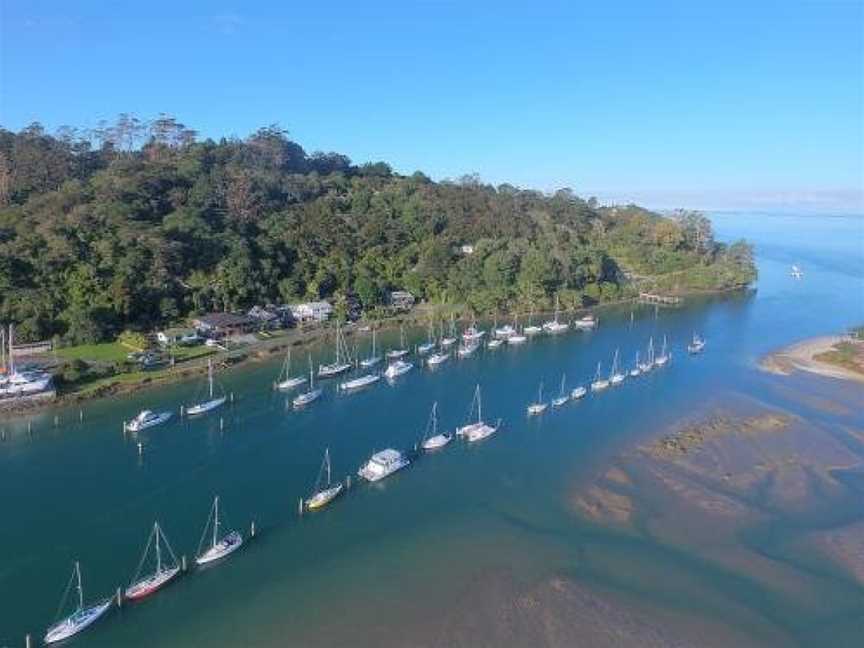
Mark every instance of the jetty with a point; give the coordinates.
(663, 300)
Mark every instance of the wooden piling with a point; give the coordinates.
(252, 530)
(221, 423)
(119, 597)
(232, 397)
(300, 507)
(140, 448)
(183, 563)
(182, 411)
(348, 482)
(81, 415)
(30, 428)
(28, 642)
(56, 420)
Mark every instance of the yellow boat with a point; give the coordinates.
(322, 496)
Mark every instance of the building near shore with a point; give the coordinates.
(318, 311)
(224, 324)
(401, 300)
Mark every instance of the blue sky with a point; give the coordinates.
(692, 103)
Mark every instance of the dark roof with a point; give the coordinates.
(222, 320)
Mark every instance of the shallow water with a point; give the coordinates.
(358, 572)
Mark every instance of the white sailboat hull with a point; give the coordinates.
(370, 362)
(537, 408)
(437, 441)
(359, 383)
(291, 383)
(577, 393)
(222, 549)
(323, 498)
(206, 406)
(398, 369)
(75, 623)
(437, 359)
(330, 370)
(599, 385)
(306, 398)
(517, 339)
(560, 401)
(149, 585)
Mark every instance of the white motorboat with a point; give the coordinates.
(599, 383)
(467, 349)
(212, 402)
(383, 464)
(373, 358)
(563, 396)
(147, 419)
(398, 368)
(696, 345)
(286, 381)
(616, 376)
(324, 491)
(218, 547)
(538, 406)
(164, 570)
(342, 360)
(585, 323)
(479, 429)
(504, 332)
(578, 392)
(82, 617)
(517, 339)
(308, 396)
(494, 343)
(437, 358)
(359, 383)
(432, 440)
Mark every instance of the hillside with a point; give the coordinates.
(133, 225)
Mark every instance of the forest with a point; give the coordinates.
(138, 223)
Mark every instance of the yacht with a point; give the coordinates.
(578, 392)
(373, 358)
(616, 376)
(648, 364)
(467, 348)
(494, 343)
(147, 419)
(81, 618)
(437, 358)
(504, 332)
(696, 345)
(479, 429)
(17, 382)
(472, 333)
(342, 361)
(309, 396)
(383, 464)
(636, 371)
(432, 440)
(402, 351)
(398, 368)
(429, 345)
(555, 326)
(663, 358)
(324, 491)
(166, 567)
(563, 396)
(451, 339)
(212, 402)
(538, 407)
(219, 547)
(359, 383)
(585, 323)
(599, 383)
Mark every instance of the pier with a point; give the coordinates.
(663, 300)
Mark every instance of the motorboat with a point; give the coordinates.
(147, 419)
(383, 464)
(398, 368)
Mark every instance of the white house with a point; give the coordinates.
(319, 311)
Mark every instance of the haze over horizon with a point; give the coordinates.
(714, 107)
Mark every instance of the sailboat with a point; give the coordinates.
(635, 371)
(429, 345)
(648, 365)
(599, 383)
(438, 358)
(663, 358)
(219, 547)
(286, 381)
(503, 332)
(359, 382)
(212, 402)
(324, 492)
(402, 351)
(450, 340)
(15, 382)
(432, 440)
(555, 326)
(696, 345)
(467, 348)
(397, 368)
(516, 337)
(480, 429)
(82, 617)
(538, 407)
(578, 392)
(341, 363)
(563, 396)
(373, 358)
(531, 329)
(312, 395)
(163, 573)
(472, 333)
(616, 376)
(494, 343)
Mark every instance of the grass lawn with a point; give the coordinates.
(105, 352)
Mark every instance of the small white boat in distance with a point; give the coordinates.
(636, 371)
(163, 572)
(578, 392)
(516, 337)
(599, 383)
(210, 404)
(373, 358)
(504, 332)
(451, 339)
(796, 272)
(324, 492)
(616, 376)
(479, 429)
(309, 396)
(383, 464)
(696, 345)
(648, 365)
(286, 381)
(554, 327)
(147, 419)
(218, 547)
(563, 396)
(538, 407)
(426, 347)
(432, 440)
(359, 383)
(402, 351)
(341, 363)
(81, 618)
(663, 358)
(494, 343)
(585, 323)
(395, 369)
(467, 349)
(472, 333)
(437, 358)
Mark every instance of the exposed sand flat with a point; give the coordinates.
(801, 357)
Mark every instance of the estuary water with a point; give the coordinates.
(367, 569)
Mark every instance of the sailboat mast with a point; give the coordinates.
(11, 350)
(80, 588)
(210, 377)
(327, 462)
(479, 405)
(215, 519)
(158, 548)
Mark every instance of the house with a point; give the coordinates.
(319, 311)
(401, 300)
(181, 336)
(268, 317)
(467, 249)
(216, 325)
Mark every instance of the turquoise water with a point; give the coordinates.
(358, 572)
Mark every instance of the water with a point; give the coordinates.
(363, 570)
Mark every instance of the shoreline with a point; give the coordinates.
(265, 350)
(801, 356)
